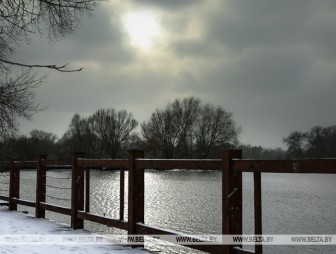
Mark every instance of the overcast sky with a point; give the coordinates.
(269, 62)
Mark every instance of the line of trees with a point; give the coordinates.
(262, 153)
(27, 147)
(186, 128)
(318, 142)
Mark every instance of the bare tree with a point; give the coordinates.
(214, 129)
(187, 129)
(80, 138)
(321, 142)
(43, 143)
(296, 142)
(160, 134)
(21, 18)
(17, 99)
(184, 114)
(19, 21)
(113, 129)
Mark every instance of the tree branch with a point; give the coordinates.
(50, 66)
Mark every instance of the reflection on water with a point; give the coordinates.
(190, 202)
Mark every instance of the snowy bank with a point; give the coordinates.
(13, 224)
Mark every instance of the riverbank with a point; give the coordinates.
(21, 233)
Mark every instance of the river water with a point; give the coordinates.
(190, 202)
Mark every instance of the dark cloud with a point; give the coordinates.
(240, 24)
(167, 4)
(260, 71)
(192, 48)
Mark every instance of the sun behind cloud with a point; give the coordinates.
(142, 27)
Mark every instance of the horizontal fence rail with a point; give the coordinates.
(231, 165)
(94, 163)
(317, 166)
(179, 164)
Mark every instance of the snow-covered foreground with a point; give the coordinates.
(15, 225)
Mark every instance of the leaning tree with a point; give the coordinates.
(20, 20)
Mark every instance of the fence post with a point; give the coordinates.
(14, 185)
(77, 192)
(257, 209)
(41, 186)
(122, 193)
(87, 190)
(136, 182)
(232, 197)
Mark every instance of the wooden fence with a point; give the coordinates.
(231, 165)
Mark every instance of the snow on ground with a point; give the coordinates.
(15, 225)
